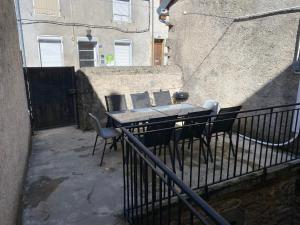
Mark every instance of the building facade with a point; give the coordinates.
(236, 52)
(89, 33)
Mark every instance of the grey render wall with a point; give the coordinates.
(14, 120)
(92, 12)
(247, 62)
(95, 83)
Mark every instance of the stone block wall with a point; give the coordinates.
(264, 200)
(95, 83)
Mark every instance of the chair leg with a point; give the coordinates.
(95, 144)
(102, 156)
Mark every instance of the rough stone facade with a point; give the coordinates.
(246, 62)
(259, 199)
(14, 119)
(95, 83)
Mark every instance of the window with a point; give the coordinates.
(123, 53)
(87, 53)
(122, 10)
(51, 51)
(46, 7)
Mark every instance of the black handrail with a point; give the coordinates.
(214, 115)
(211, 213)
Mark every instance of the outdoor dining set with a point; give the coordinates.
(158, 125)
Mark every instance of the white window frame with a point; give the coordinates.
(121, 20)
(96, 49)
(42, 14)
(125, 41)
(49, 38)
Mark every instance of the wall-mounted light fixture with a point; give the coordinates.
(89, 33)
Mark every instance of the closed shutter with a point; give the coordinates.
(121, 10)
(51, 53)
(47, 7)
(122, 54)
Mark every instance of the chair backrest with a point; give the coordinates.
(140, 100)
(115, 103)
(96, 124)
(200, 118)
(162, 98)
(224, 123)
(163, 135)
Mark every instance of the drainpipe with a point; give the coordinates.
(152, 11)
(20, 29)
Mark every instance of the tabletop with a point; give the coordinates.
(144, 114)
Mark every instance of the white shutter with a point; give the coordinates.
(121, 10)
(50, 53)
(122, 54)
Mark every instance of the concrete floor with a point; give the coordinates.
(66, 186)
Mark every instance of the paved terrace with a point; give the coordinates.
(65, 185)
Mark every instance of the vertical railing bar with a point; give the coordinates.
(160, 201)
(297, 132)
(268, 138)
(131, 187)
(243, 146)
(135, 187)
(169, 201)
(249, 146)
(289, 136)
(222, 156)
(124, 177)
(261, 146)
(141, 190)
(284, 135)
(256, 139)
(295, 127)
(147, 193)
(207, 149)
(273, 139)
(215, 158)
(236, 148)
(279, 136)
(191, 160)
(199, 159)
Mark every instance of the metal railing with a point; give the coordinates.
(153, 194)
(161, 176)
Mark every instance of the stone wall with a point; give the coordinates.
(14, 119)
(258, 199)
(232, 61)
(95, 83)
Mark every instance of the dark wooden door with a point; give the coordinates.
(158, 52)
(51, 96)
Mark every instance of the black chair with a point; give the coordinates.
(193, 127)
(115, 103)
(140, 100)
(158, 134)
(105, 133)
(223, 123)
(162, 98)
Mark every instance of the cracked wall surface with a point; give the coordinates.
(246, 62)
